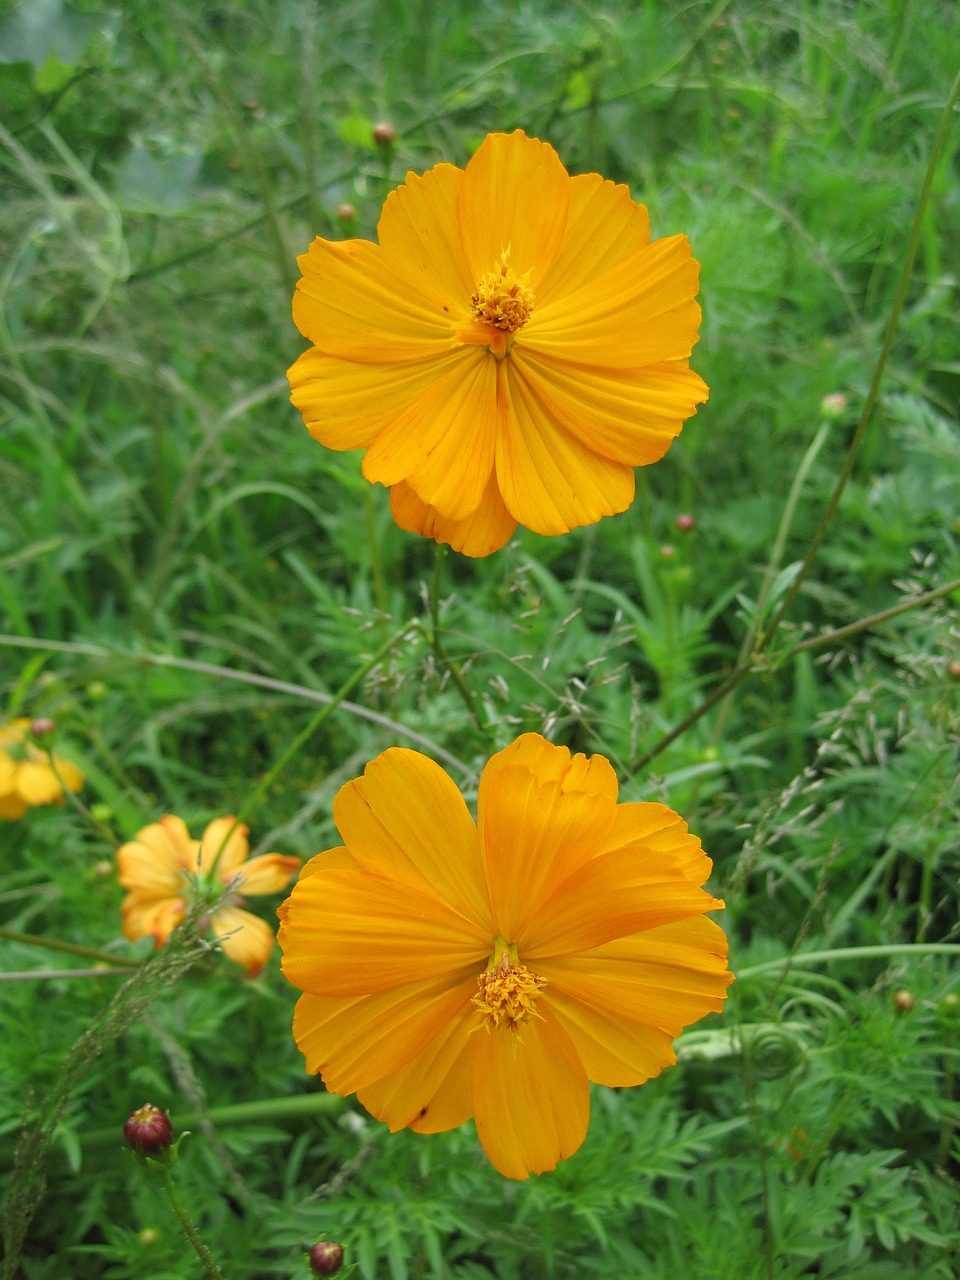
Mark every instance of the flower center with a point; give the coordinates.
(507, 993)
(503, 299)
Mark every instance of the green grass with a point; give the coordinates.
(160, 168)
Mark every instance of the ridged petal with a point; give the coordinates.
(641, 312)
(245, 938)
(534, 835)
(553, 763)
(418, 227)
(613, 1051)
(530, 1096)
(355, 1041)
(514, 195)
(550, 481)
(443, 444)
(604, 228)
(357, 302)
(479, 534)
(406, 820)
(631, 416)
(650, 828)
(346, 404)
(268, 873)
(350, 934)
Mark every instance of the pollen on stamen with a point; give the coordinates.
(503, 298)
(507, 995)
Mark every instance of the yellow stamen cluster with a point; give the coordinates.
(507, 995)
(503, 298)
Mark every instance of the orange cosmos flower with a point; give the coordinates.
(163, 868)
(510, 350)
(26, 775)
(450, 971)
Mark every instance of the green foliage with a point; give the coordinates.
(210, 574)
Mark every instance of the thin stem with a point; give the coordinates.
(805, 958)
(436, 644)
(71, 948)
(851, 629)
(189, 1230)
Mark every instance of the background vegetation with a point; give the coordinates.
(161, 166)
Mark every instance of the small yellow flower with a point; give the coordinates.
(26, 775)
(453, 968)
(507, 354)
(161, 866)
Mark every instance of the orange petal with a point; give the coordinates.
(631, 416)
(11, 805)
(514, 195)
(359, 303)
(479, 534)
(443, 444)
(550, 481)
(666, 978)
(654, 828)
(613, 1051)
(151, 917)
(612, 896)
(268, 873)
(405, 819)
(641, 312)
(157, 859)
(245, 938)
(533, 835)
(350, 934)
(225, 845)
(355, 1041)
(553, 763)
(604, 228)
(530, 1096)
(346, 404)
(37, 783)
(418, 227)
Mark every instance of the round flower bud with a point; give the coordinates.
(903, 1001)
(953, 669)
(834, 406)
(384, 135)
(149, 1130)
(346, 212)
(684, 522)
(667, 552)
(41, 729)
(326, 1257)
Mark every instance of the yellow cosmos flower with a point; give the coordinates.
(453, 969)
(510, 350)
(161, 867)
(26, 776)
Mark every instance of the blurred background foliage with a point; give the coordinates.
(161, 166)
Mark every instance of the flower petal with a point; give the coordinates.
(604, 228)
(443, 444)
(613, 1051)
(481, 533)
(550, 481)
(432, 1093)
(355, 1041)
(641, 312)
(245, 938)
(630, 416)
(157, 859)
(357, 302)
(405, 819)
(268, 873)
(655, 827)
(151, 917)
(530, 1096)
(612, 896)
(418, 227)
(350, 934)
(553, 763)
(666, 978)
(225, 844)
(514, 195)
(346, 404)
(533, 836)
(37, 783)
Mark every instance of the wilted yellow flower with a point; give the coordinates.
(453, 969)
(162, 868)
(510, 350)
(26, 775)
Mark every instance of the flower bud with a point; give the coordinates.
(346, 212)
(667, 552)
(684, 522)
(41, 729)
(834, 406)
(149, 1131)
(326, 1257)
(903, 1001)
(384, 135)
(953, 669)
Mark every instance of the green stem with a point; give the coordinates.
(436, 644)
(189, 1230)
(72, 948)
(851, 629)
(850, 953)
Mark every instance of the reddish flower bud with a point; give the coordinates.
(346, 212)
(42, 728)
(326, 1257)
(384, 135)
(149, 1130)
(667, 551)
(903, 1001)
(684, 522)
